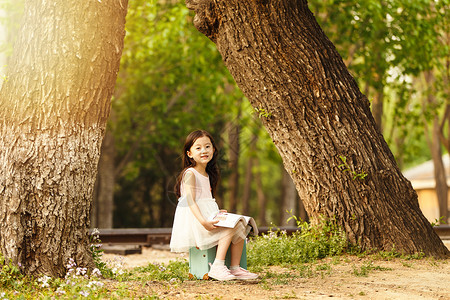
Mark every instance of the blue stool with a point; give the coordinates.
(199, 261)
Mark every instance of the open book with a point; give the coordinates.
(230, 220)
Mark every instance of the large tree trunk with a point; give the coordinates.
(53, 112)
(316, 115)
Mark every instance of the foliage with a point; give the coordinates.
(78, 282)
(346, 168)
(263, 113)
(387, 50)
(172, 81)
(307, 244)
(364, 270)
(175, 271)
(95, 245)
(436, 222)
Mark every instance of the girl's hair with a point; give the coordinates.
(211, 168)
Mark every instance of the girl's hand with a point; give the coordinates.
(209, 225)
(222, 211)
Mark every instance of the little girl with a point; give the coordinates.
(195, 188)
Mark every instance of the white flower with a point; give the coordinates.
(44, 280)
(81, 271)
(96, 272)
(95, 284)
(60, 292)
(173, 280)
(72, 264)
(84, 293)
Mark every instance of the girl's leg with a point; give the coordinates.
(236, 253)
(218, 269)
(224, 244)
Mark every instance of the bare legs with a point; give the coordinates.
(224, 244)
(236, 249)
(218, 269)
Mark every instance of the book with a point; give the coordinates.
(230, 220)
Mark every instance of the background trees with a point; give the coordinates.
(172, 80)
(357, 29)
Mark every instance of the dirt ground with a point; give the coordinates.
(345, 279)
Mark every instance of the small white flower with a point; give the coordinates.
(84, 293)
(173, 280)
(81, 271)
(44, 281)
(96, 272)
(60, 292)
(94, 284)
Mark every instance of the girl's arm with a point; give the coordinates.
(189, 187)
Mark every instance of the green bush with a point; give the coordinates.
(307, 244)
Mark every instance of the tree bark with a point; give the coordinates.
(53, 112)
(316, 115)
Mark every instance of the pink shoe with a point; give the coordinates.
(243, 274)
(220, 273)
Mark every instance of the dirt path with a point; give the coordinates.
(348, 277)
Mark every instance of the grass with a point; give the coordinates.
(310, 252)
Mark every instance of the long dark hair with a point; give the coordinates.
(211, 168)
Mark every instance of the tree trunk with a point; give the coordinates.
(247, 189)
(439, 173)
(53, 112)
(316, 115)
(103, 206)
(262, 200)
(234, 143)
(289, 197)
(440, 177)
(377, 108)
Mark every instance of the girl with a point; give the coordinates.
(195, 188)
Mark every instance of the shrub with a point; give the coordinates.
(307, 244)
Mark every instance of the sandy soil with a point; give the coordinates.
(393, 279)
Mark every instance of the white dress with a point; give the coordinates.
(187, 231)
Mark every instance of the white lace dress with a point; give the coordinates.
(187, 231)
